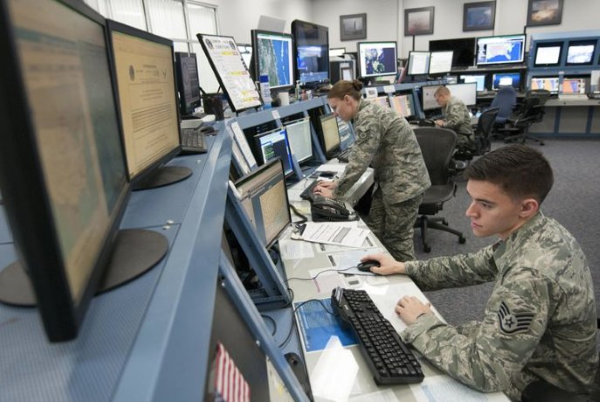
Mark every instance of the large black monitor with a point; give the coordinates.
(264, 198)
(300, 138)
(274, 144)
(506, 49)
(479, 79)
(329, 134)
(581, 52)
(311, 52)
(62, 169)
(463, 48)
(505, 79)
(547, 54)
(418, 63)
(188, 82)
(145, 84)
(273, 56)
(377, 59)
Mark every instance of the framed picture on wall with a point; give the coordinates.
(479, 16)
(418, 21)
(544, 12)
(353, 27)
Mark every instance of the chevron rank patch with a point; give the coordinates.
(513, 323)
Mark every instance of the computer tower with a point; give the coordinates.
(342, 69)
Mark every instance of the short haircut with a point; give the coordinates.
(520, 171)
(343, 88)
(442, 91)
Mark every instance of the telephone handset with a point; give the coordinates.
(326, 209)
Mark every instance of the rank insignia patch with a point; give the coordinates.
(513, 323)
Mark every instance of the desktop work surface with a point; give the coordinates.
(336, 366)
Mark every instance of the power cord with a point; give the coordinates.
(322, 272)
(289, 335)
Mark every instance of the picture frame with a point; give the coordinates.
(480, 16)
(353, 26)
(418, 21)
(544, 12)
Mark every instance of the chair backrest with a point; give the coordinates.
(542, 94)
(505, 100)
(486, 121)
(437, 146)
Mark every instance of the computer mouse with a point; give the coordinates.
(366, 265)
(207, 129)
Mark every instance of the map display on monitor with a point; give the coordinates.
(500, 49)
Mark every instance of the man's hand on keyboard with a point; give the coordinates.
(409, 308)
(388, 265)
(325, 188)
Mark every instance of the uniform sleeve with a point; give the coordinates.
(486, 359)
(365, 147)
(456, 271)
(453, 117)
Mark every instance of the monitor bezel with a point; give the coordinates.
(255, 60)
(26, 199)
(359, 62)
(184, 108)
(423, 95)
(546, 45)
(444, 71)
(321, 135)
(257, 172)
(482, 38)
(296, 25)
(257, 144)
(458, 50)
(305, 120)
(550, 77)
(580, 42)
(115, 26)
(410, 56)
(505, 73)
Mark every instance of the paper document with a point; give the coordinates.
(442, 388)
(294, 249)
(343, 234)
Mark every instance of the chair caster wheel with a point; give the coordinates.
(426, 248)
(462, 240)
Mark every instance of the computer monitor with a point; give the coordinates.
(273, 56)
(418, 63)
(379, 100)
(402, 104)
(376, 59)
(264, 198)
(504, 49)
(188, 82)
(337, 51)
(464, 50)
(300, 139)
(547, 83)
(62, 171)
(145, 84)
(428, 101)
(547, 54)
(574, 86)
(440, 62)
(329, 134)
(465, 92)
(479, 79)
(581, 52)
(311, 52)
(504, 79)
(246, 53)
(274, 144)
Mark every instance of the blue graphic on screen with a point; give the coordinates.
(275, 61)
(500, 50)
(506, 79)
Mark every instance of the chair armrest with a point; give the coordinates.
(544, 391)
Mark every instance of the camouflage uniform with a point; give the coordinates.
(540, 321)
(385, 141)
(457, 118)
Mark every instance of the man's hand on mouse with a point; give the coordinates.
(409, 308)
(388, 265)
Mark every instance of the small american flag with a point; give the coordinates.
(230, 385)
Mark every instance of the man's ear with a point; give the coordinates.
(529, 207)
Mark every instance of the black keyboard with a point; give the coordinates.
(307, 193)
(388, 358)
(344, 155)
(192, 141)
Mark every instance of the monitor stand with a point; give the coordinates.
(163, 176)
(136, 252)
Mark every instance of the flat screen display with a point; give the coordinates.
(300, 139)
(479, 79)
(580, 52)
(465, 92)
(311, 50)
(377, 58)
(440, 62)
(274, 144)
(418, 63)
(427, 97)
(500, 49)
(547, 83)
(547, 54)
(506, 79)
(273, 56)
(463, 48)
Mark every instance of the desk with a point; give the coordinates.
(382, 290)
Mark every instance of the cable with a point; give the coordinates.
(322, 272)
(302, 217)
(272, 322)
(289, 335)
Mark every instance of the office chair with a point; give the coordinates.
(437, 146)
(482, 145)
(531, 112)
(505, 101)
